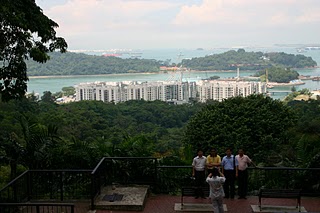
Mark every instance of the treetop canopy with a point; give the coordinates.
(25, 32)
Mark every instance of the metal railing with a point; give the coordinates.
(123, 170)
(171, 178)
(65, 185)
(53, 185)
(37, 207)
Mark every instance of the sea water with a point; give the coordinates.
(56, 83)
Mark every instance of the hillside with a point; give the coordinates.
(232, 59)
(83, 64)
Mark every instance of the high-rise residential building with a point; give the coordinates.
(219, 89)
(173, 91)
(170, 91)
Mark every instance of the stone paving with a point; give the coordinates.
(166, 204)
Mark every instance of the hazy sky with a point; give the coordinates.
(147, 24)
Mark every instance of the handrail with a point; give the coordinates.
(60, 170)
(14, 180)
(38, 205)
(99, 176)
(283, 168)
(97, 166)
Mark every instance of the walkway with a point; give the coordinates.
(165, 204)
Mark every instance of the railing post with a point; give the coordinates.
(14, 189)
(61, 186)
(287, 177)
(72, 209)
(28, 186)
(99, 182)
(105, 173)
(155, 173)
(92, 191)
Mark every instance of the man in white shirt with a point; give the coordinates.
(243, 162)
(198, 172)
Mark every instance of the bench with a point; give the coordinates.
(190, 191)
(281, 193)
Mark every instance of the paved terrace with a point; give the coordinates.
(166, 203)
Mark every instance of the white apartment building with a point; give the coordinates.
(173, 91)
(219, 89)
(170, 91)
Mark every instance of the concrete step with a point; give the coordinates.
(133, 198)
(196, 207)
(273, 209)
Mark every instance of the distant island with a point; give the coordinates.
(82, 64)
(233, 59)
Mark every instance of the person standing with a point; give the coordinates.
(198, 172)
(213, 160)
(243, 161)
(216, 189)
(229, 166)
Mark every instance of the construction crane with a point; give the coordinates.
(177, 74)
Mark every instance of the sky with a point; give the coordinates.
(150, 24)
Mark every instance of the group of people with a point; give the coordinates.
(222, 175)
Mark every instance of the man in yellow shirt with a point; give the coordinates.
(213, 160)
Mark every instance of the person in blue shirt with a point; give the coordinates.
(229, 165)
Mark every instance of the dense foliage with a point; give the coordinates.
(232, 59)
(291, 60)
(89, 130)
(304, 146)
(82, 64)
(43, 134)
(20, 21)
(255, 123)
(279, 74)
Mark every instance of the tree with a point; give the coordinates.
(47, 97)
(279, 74)
(25, 33)
(12, 153)
(40, 142)
(255, 123)
(306, 134)
(68, 91)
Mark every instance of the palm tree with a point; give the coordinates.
(11, 153)
(40, 141)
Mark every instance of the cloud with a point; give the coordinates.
(248, 12)
(170, 23)
(310, 15)
(78, 16)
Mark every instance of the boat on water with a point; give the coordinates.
(312, 48)
(301, 50)
(317, 78)
(296, 82)
(291, 83)
(111, 55)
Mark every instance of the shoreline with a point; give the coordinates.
(145, 73)
(96, 75)
(135, 73)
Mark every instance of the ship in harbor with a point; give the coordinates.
(112, 55)
(316, 78)
(312, 48)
